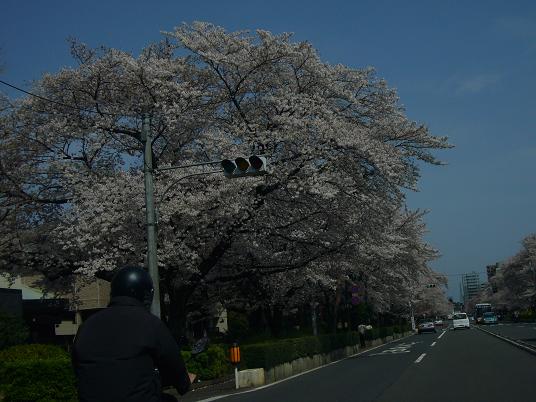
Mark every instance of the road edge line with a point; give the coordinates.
(214, 398)
(510, 341)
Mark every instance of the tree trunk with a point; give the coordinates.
(335, 310)
(274, 317)
(178, 311)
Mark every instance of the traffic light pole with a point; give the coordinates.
(148, 171)
(152, 262)
(150, 209)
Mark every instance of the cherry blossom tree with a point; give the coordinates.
(340, 147)
(515, 279)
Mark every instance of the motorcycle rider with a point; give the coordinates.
(117, 350)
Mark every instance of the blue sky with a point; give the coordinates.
(465, 69)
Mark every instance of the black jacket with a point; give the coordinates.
(117, 350)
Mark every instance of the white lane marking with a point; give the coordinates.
(433, 344)
(443, 333)
(398, 348)
(420, 358)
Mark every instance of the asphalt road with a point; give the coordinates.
(525, 332)
(462, 365)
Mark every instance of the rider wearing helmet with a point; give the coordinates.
(117, 350)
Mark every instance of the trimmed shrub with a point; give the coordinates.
(270, 354)
(371, 334)
(385, 332)
(37, 373)
(210, 364)
(527, 315)
(32, 351)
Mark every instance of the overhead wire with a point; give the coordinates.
(57, 102)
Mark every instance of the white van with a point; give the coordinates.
(460, 320)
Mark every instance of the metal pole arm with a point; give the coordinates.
(187, 166)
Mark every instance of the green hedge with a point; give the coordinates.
(270, 354)
(210, 364)
(37, 373)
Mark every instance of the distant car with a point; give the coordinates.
(426, 326)
(438, 323)
(460, 320)
(489, 318)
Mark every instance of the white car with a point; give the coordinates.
(460, 320)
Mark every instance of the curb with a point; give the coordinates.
(519, 344)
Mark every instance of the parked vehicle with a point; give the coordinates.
(489, 318)
(438, 322)
(426, 325)
(460, 320)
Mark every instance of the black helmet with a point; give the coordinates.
(134, 282)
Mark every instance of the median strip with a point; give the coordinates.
(419, 359)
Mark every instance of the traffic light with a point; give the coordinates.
(253, 166)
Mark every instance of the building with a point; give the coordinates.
(492, 272)
(11, 302)
(471, 285)
(53, 317)
(458, 307)
(23, 284)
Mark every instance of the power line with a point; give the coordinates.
(55, 102)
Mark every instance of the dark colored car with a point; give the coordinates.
(426, 326)
(489, 318)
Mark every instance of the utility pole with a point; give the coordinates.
(152, 263)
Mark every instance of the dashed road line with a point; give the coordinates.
(419, 359)
(433, 344)
(443, 333)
